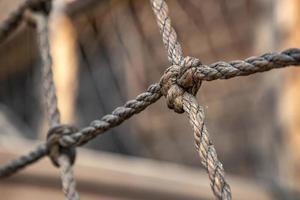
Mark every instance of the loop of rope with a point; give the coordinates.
(55, 150)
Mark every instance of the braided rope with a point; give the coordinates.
(168, 33)
(109, 121)
(205, 148)
(15, 165)
(15, 18)
(182, 99)
(266, 62)
(47, 74)
(67, 178)
(64, 161)
(179, 84)
(119, 115)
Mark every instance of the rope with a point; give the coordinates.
(168, 33)
(119, 115)
(266, 62)
(9, 25)
(179, 84)
(67, 178)
(47, 74)
(61, 157)
(23, 161)
(205, 148)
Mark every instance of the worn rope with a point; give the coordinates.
(119, 115)
(168, 33)
(62, 157)
(67, 177)
(9, 25)
(145, 99)
(226, 70)
(179, 84)
(175, 89)
(15, 165)
(205, 147)
(49, 91)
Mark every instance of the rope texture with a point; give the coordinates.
(205, 148)
(15, 165)
(9, 25)
(179, 84)
(168, 33)
(58, 155)
(180, 97)
(67, 178)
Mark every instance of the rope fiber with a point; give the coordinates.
(179, 84)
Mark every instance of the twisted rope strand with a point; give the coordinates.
(153, 94)
(205, 148)
(9, 25)
(15, 165)
(67, 178)
(118, 116)
(169, 36)
(68, 182)
(47, 74)
(266, 62)
(109, 121)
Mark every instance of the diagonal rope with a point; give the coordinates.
(205, 148)
(168, 33)
(11, 23)
(179, 84)
(97, 127)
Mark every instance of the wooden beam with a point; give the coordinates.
(113, 176)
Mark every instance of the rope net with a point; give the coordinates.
(179, 85)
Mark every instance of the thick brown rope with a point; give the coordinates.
(179, 84)
(49, 91)
(168, 33)
(9, 25)
(67, 177)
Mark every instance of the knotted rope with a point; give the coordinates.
(60, 156)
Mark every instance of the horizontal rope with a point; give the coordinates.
(212, 72)
(169, 35)
(265, 62)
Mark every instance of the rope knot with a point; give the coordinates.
(178, 79)
(55, 149)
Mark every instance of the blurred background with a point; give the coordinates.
(107, 52)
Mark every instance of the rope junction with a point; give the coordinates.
(179, 84)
